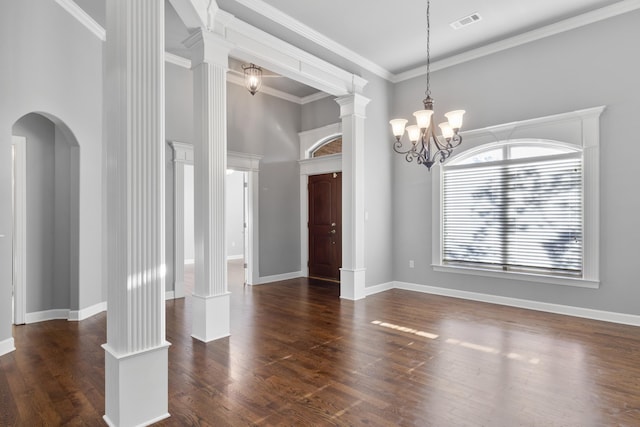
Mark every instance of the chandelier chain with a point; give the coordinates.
(428, 91)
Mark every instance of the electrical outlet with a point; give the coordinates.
(411, 264)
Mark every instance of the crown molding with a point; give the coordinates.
(177, 60)
(308, 33)
(592, 17)
(83, 17)
(313, 97)
(358, 83)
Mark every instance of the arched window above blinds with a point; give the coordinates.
(515, 206)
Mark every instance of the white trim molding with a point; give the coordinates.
(46, 315)
(20, 260)
(85, 313)
(572, 23)
(245, 30)
(83, 17)
(580, 129)
(313, 166)
(7, 346)
(567, 310)
(311, 139)
(177, 60)
(279, 277)
(316, 37)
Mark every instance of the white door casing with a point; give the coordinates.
(19, 149)
(183, 155)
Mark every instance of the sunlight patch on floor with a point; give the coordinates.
(453, 341)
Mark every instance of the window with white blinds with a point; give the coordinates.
(515, 207)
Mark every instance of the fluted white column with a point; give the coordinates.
(136, 353)
(211, 312)
(352, 273)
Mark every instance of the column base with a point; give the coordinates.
(211, 317)
(352, 283)
(136, 386)
(178, 289)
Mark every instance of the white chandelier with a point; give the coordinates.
(426, 147)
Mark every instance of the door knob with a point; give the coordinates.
(333, 224)
(332, 232)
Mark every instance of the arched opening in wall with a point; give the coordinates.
(45, 184)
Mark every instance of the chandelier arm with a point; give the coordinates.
(455, 140)
(397, 145)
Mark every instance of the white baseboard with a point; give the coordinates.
(371, 290)
(169, 295)
(42, 316)
(278, 277)
(85, 313)
(588, 313)
(232, 257)
(7, 346)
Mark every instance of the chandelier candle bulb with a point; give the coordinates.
(423, 118)
(455, 119)
(414, 133)
(397, 125)
(447, 132)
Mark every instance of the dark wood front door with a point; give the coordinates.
(325, 225)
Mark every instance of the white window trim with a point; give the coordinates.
(578, 128)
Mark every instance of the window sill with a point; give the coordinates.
(511, 275)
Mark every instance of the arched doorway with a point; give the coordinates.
(46, 168)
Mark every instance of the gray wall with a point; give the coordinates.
(590, 66)
(261, 125)
(269, 127)
(378, 171)
(52, 65)
(378, 159)
(322, 112)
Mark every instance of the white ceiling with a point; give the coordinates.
(386, 37)
(392, 34)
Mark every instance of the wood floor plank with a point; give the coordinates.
(298, 355)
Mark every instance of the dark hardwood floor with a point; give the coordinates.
(300, 356)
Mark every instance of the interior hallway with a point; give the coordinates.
(299, 355)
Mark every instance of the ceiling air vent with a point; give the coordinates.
(467, 20)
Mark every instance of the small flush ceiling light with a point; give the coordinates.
(252, 78)
(426, 147)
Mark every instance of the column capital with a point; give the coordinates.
(352, 104)
(208, 47)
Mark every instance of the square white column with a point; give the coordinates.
(352, 273)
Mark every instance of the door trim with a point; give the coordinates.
(19, 245)
(183, 154)
(316, 166)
